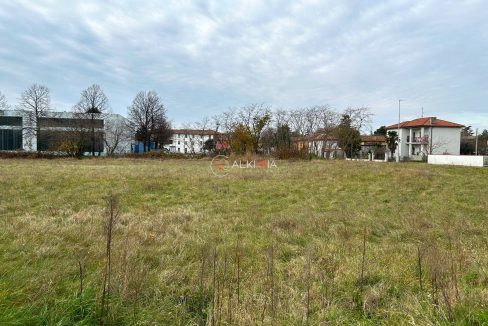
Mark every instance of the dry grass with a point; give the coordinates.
(276, 247)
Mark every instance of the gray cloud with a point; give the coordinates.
(204, 56)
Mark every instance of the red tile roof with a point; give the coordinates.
(373, 139)
(316, 136)
(426, 122)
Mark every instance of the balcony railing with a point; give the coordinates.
(418, 140)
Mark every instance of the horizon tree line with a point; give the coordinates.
(252, 128)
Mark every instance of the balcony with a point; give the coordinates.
(418, 140)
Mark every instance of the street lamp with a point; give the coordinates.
(398, 132)
(476, 143)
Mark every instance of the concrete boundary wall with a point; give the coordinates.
(464, 160)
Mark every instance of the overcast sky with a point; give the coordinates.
(205, 56)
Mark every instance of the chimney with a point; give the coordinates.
(432, 120)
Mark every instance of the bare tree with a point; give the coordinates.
(162, 131)
(35, 103)
(203, 124)
(361, 117)
(226, 121)
(297, 122)
(312, 119)
(147, 114)
(327, 120)
(319, 121)
(117, 133)
(3, 102)
(281, 118)
(92, 105)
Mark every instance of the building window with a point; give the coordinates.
(11, 121)
(51, 140)
(10, 139)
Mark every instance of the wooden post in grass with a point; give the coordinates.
(363, 260)
(453, 268)
(202, 271)
(272, 282)
(113, 213)
(81, 278)
(238, 278)
(214, 262)
(309, 276)
(419, 266)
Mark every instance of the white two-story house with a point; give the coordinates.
(423, 136)
(190, 141)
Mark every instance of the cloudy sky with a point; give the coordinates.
(205, 56)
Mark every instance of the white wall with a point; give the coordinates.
(404, 133)
(445, 141)
(403, 146)
(464, 160)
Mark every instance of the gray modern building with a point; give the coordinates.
(57, 131)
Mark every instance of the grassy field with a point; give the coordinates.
(311, 242)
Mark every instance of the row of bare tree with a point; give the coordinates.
(256, 127)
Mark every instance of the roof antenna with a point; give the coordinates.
(422, 112)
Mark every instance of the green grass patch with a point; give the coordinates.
(282, 246)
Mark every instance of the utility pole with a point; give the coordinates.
(422, 112)
(398, 136)
(476, 143)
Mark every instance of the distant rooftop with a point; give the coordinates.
(373, 138)
(426, 122)
(194, 131)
